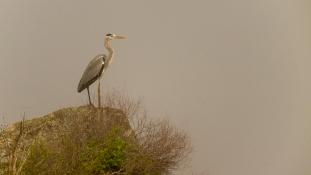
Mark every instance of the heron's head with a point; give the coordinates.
(111, 36)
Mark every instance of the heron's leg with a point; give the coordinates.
(88, 93)
(99, 102)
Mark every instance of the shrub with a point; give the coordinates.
(106, 154)
(37, 160)
(98, 141)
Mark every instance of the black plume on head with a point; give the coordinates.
(109, 34)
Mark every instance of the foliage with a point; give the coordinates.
(104, 141)
(37, 159)
(105, 155)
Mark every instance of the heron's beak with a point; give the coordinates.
(120, 37)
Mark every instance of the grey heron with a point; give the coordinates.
(97, 66)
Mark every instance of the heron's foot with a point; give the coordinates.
(91, 105)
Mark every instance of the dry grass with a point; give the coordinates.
(153, 146)
(166, 146)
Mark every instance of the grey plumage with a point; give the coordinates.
(96, 67)
(92, 72)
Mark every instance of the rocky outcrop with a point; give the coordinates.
(17, 138)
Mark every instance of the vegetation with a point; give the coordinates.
(119, 139)
(104, 155)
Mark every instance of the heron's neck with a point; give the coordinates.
(110, 51)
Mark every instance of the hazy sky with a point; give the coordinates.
(234, 74)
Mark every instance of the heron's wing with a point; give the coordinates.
(92, 72)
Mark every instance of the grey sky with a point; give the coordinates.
(234, 74)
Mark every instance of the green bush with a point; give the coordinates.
(107, 154)
(99, 143)
(97, 156)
